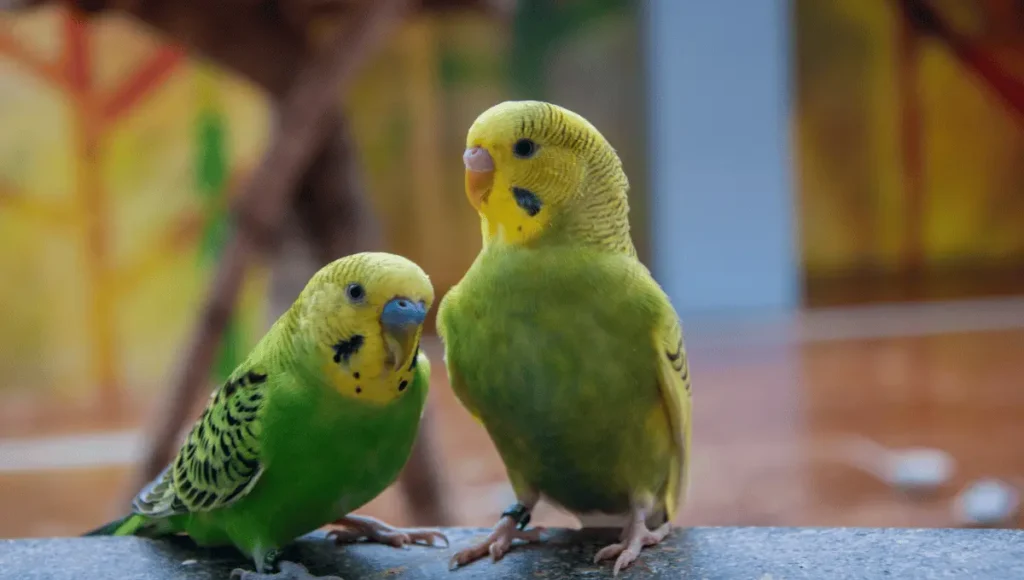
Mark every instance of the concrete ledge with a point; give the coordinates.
(695, 553)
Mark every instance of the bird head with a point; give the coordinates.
(362, 316)
(533, 168)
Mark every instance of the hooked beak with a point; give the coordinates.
(401, 320)
(479, 175)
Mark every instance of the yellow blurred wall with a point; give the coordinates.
(850, 141)
(99, 221)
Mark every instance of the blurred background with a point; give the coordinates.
(831, 192)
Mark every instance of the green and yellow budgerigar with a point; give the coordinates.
(560, 341)
(316, 422)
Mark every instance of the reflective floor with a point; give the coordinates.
(779, 409)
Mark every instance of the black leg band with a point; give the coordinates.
(520, 513)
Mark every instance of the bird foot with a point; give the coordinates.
(358, 527)
(634, 539)
(286, 571)
(497, 543)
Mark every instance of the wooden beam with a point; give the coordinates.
(907, 56)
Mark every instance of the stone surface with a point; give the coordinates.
(696, 553)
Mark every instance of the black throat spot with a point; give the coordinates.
(345, 348)
(527, 200)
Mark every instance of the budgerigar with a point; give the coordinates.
(318, 420)
(560, 341)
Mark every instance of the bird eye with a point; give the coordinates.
(355, 292)
(524, 148)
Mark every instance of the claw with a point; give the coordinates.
(635, 539)
(497, 544)
(286, 571)
(359, 527)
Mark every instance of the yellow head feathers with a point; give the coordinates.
(361, 317)
(536, 170)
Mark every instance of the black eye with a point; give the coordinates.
(355, 292)
(524, 148)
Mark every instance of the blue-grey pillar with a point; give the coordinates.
(722, 201)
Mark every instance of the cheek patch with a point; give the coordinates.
(345, 348)
(527, 200)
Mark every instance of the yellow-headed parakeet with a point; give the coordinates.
(560, 341)
(316, 422)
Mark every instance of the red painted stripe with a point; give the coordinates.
(77, 57)
(1007, 86)
(142, 82)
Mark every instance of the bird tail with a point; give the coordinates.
(126, 526)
